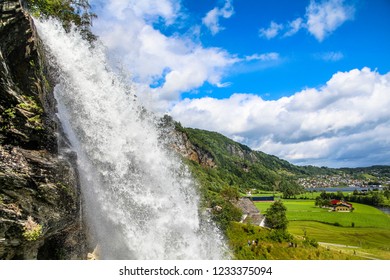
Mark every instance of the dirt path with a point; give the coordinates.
(336, 245)
(355, 252)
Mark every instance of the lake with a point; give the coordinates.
(384, 209)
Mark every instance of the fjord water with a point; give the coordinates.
(139, 200)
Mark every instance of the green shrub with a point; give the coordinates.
(32, 230)
(280, 236)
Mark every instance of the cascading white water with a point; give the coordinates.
(140, 202)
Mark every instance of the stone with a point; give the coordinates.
(181, 144)
(35, 179)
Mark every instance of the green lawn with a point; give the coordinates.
(363, 237)
(371, 231)
(304, 210)
(374, 242)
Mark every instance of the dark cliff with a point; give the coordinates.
(39, 194)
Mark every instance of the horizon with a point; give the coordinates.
(308, 82)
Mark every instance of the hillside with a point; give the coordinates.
(224, 168)
(218, 162)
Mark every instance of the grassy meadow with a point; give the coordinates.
(364, 232)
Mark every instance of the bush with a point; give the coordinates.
(32, 230)
(311, 242)
(280, 236)
(225, 212)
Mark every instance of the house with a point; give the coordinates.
(249, 211)
(341, 206)
(262, 198)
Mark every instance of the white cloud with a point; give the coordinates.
(263, 57)
(293, 27)
(211, 20)
(324, 18)
(173, 64)
(330, 56)
(223, 85)
(272, 31)
(120, 9)
(321, 20)
(346, 121)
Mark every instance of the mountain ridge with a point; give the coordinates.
(217, 159)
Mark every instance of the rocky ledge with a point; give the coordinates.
(39, 193)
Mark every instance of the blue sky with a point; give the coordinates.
(307, 81)
(359, 41)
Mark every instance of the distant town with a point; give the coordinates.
(344, 180)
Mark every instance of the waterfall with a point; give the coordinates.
(140, 201)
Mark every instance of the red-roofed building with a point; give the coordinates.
(339, 205)
(335, 201)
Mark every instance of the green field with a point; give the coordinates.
(366, 227)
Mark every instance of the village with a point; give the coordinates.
(345, 180)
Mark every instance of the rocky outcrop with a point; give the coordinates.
(39, 194)
(184, 147)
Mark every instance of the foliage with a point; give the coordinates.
(276, 216)
(32, 230)
(248, 242)
(68, 12)
(366, 227)
(230, 193)
(386, 193)
(375, 241)
(30, 105)
(280, 235)
(371, 198)
(238, 169)
(308, 241)
(237, 165)
(224, 212)
(290, 188)
(10, 113)
(322, 202)
(304, 210)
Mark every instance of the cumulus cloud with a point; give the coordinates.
(171, 64)
(211, 20)
(321, 20)
(324, 18)
(345, 122)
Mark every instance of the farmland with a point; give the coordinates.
(366, 228)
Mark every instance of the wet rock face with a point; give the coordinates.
(39, 194)
(25, 118)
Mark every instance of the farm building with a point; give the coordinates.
(262, 198)
(341, 206)
(249, 211)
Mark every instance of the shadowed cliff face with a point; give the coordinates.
(39, 196)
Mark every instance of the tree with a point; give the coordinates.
(276, 216)
(320, 202)
(68, 12)
(290, 188)
(376, 199)
(230, 193)
(386, 193)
